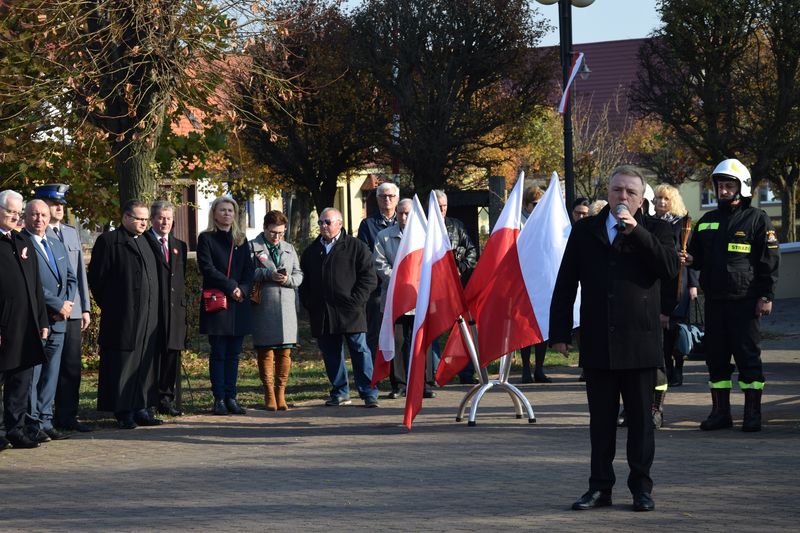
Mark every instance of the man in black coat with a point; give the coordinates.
(338, 279)
(171, 254)
(23, 321)
(123, 278)
(619, 269)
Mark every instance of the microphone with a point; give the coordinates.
(620, 224)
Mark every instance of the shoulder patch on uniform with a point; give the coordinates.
(740, 234)
(771, 238)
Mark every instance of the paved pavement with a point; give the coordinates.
(349, 468)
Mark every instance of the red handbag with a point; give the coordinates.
(214, 300)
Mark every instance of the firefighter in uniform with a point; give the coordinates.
(735, 249)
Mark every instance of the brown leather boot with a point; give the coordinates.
(282, 364)
(266, 371)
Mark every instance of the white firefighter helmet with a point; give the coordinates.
(650, 196)
(734, 169)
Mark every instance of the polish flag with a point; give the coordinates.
(401, 295)
(510, 291)
(577, 61)
(440, 301)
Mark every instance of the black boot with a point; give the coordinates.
(720, 417)
(752, 410)
(657, 408)
(525, 355)
(677, 372)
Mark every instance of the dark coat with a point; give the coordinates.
(22, 310)
(464, 251)
(620, 292)
(336, 285)
(59, 286)
(172, 287)
(115, 278)
(213, 251)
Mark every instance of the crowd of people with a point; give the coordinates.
(629, 254)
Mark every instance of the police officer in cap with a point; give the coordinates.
(69, 376)
(735, 249)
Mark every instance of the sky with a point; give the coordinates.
(604, 20)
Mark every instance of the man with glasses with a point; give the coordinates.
(338, 279)
(388, 195)
(23, 321)
(123, 278)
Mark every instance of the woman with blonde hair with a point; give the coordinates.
(669, 206)
(277, 269)
(225, 265)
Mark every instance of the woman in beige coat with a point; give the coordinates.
(275, 316)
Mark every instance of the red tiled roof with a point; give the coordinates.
(614, 65)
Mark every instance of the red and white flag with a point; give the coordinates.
(401, 294)
(510, 291)
(440, 301)
(577, 61)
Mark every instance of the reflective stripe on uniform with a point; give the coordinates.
(756, 385)
(708, 225)
(720, 384)
(662, 387)
(736, 247)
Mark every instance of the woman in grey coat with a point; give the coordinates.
(277, 269)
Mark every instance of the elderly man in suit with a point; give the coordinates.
(23, 321)
(171, 254)
(69, 373)
(123, 278)
(619, 264)
(58, 285)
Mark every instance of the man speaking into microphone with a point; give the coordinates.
(618, 263)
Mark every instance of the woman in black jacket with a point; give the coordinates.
(224, 260)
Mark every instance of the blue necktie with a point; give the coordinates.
(50, 258)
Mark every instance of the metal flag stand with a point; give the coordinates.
(473, 397)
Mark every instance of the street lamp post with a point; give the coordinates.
(565, 53)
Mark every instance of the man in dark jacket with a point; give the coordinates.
(736, 251)
(619, 270)
(123, 278)
(171, 259)
(338, 279)
(23, 321)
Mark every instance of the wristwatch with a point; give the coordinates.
(765, 299)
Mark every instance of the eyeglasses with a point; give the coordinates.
(328, 221)
(390, 196)
(137, 219)
(11, 213)
(276, 233)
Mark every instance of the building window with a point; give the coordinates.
(766, 195)
(708, 197)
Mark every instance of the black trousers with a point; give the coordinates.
(732, 329)
(168, 364)
(16, 398)
(603, 389)
(68, 388)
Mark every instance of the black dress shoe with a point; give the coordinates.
(166, 408)
(234, 408)
(39, 435)
(126, 423)
(4, 444)
(147, 421)
(428, 394)
(20, 440)
(74, 425)
(541, 377)
(592, 499)
(643, 502)
(54, 434)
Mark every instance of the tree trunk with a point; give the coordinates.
(133, 168)
(300, 228)
(789, 205)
